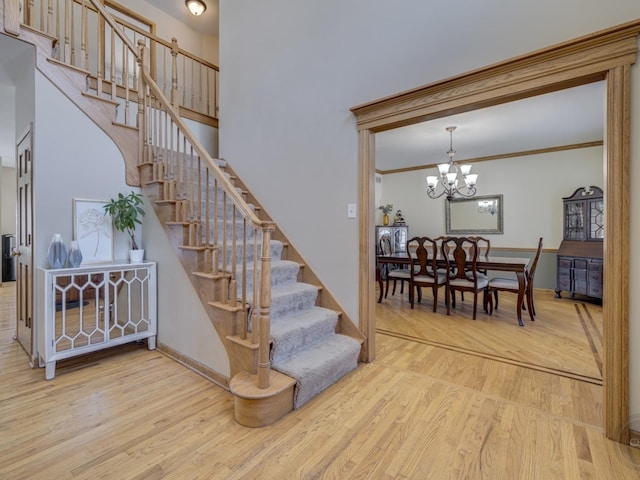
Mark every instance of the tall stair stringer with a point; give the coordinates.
(289, 321)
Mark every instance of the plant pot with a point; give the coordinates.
(136, 256)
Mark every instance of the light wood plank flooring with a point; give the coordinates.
(565, 338)
(417, 412)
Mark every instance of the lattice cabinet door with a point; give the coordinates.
(91, 308)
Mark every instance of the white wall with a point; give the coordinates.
(206, 135)
(8, 200)
(532, 186)
(7, 127)
(292, 70)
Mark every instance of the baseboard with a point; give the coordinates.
(194, 365)
(634, 438)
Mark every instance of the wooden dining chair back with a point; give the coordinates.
(392, 271)
(425, 273)
(532, 272)
(484, 248)
(461, 255)
(501, 284)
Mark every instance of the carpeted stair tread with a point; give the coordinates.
(294, 333)
(288, 299)
(276, 247)
(283, 272)
(320, 366)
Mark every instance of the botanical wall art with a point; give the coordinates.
(93, 231)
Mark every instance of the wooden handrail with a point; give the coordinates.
(237, 199)
(112, 23)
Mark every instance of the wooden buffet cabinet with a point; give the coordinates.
(580, 254)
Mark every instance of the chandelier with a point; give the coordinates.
(452, 175)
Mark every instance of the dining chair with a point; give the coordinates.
(425, 273)
(461, 256)
(484, 247)
(498, 284)
(393, 271)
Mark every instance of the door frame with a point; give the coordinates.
(606, 55)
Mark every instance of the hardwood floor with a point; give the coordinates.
(565, 338)
(417, 412)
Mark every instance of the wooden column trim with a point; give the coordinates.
(367, 308)
(616, 256)
(12, 17)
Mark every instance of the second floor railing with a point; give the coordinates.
(87, 41)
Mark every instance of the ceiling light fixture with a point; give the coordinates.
(196, 7)
(449, 178)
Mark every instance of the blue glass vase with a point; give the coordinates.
(57, 253)
(75, 255)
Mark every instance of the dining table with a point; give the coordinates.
(517, 265)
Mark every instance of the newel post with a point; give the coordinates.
(12, 17)
(174, 72)
(143, 64)
(264, 366)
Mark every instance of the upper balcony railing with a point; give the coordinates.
(85, 40)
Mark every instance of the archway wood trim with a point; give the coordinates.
(565, 65)
(605, 55)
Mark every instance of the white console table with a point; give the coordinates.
(94, 307)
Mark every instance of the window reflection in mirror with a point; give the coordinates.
(474, 215)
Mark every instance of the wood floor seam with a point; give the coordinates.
(530, 366)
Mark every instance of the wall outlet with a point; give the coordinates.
(351, 210)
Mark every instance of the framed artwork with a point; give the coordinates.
(93, 231)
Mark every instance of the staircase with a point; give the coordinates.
(286, 337)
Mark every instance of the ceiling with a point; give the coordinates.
(207, 23)
(566, 117)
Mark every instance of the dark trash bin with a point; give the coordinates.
(8, 261)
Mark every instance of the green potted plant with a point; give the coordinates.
(126, 213)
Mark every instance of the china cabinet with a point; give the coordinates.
(399, 234)
(95, 307)
(580, 254)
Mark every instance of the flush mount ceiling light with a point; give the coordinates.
(196, 7)
(452, 177)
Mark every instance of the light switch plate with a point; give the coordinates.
(351, 210)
